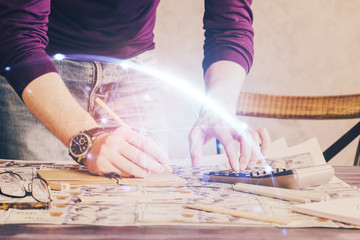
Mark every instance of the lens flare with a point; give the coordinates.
(268, 168)
(59, 56)
(104, 120)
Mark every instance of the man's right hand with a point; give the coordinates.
(127, 153)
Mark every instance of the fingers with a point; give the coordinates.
(249, 140)
(229, 144)
(252, 145)
(100, 165)
(127, 153)
(145, 151)
(246, 150)
(265, 139)
(133, 154)
(132, 168)
(196, 141)
(99, 169)
(255, 148)
(146, 145)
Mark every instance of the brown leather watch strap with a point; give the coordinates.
(94, 132)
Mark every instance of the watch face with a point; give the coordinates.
(80, 145)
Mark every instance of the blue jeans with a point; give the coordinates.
(134, 96)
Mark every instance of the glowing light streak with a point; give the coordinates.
(59, 56)
(192, 92)
(179, 84)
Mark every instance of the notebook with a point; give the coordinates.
(82, 177)
(341, 210)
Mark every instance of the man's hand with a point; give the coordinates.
(223, 80)
(209, 126)
(127, 153)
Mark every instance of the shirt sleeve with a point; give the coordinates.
(23, 28)
(228, 32)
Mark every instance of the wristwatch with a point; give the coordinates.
(81, 143)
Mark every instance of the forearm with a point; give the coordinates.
(223, 80)
(49, 100)
(122, 151)
(223, 83)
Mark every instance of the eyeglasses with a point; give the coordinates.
(12, 185)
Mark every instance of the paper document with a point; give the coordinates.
(343, 210)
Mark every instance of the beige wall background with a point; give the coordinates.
(307, 47)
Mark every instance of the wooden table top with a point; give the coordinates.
(50, 232)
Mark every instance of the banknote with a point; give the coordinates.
(123, 205)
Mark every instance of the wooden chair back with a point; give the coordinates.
(306, 107)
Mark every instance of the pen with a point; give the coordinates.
(120, 121)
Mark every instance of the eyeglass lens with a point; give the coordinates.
(40, 190)
(11, 184)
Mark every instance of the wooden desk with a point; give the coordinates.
(50, 232)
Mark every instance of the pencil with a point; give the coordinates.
(238, 213)
(120, 121)
(281, 193)
(110, 112)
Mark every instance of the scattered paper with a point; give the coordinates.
(123, 205)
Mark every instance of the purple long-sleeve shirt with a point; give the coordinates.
(31, 30)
